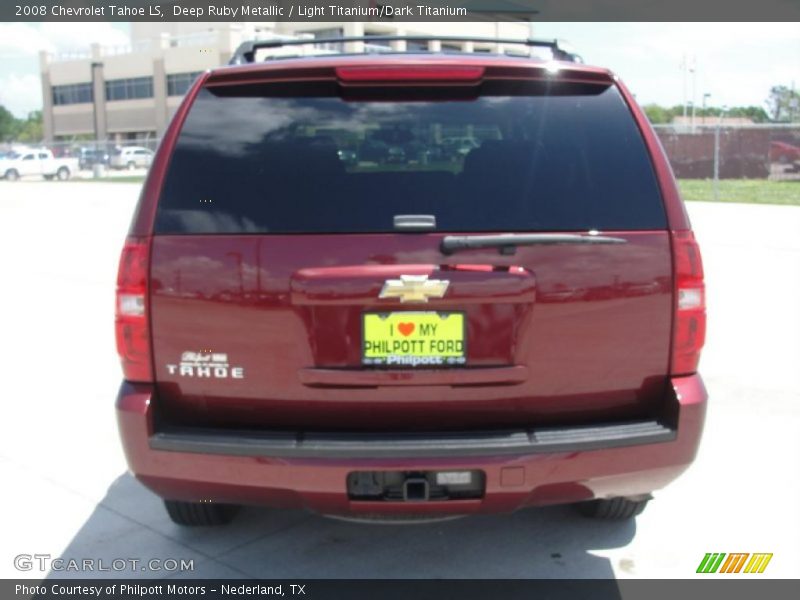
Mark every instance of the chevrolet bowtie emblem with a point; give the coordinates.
(414, 288)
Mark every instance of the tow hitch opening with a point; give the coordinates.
(415, 486)
(415, 490)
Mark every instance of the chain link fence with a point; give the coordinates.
(712, 161)
(85, 159)
(745, 163)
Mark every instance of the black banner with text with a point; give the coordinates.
(399, 10)
(382, 589)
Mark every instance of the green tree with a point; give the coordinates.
(657, 114)
(755, 113)
(30, 130)
(8, 125)
(661, 114)
(783, 104)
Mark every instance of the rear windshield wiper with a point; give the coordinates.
(507, 243)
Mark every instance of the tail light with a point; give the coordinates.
(132, 329)
(407, 73)
(689, 328)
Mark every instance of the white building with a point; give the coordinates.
(130, 92)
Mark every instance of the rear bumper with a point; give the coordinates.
(522, 468)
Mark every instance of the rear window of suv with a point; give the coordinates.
(251, 160)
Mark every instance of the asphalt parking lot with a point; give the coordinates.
(66, 492)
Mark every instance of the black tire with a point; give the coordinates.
(613, 509)
(200, 514)
(131, 166)
(62, 174)
(11, 175)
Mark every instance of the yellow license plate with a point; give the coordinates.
(413, 339)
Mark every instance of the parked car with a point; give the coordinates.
(61, 152)
(783, 152)
(131, 157)
(348, 157)
(37, 163)
(89, 157)
(409, 341)
(373, 151)
(396, 154)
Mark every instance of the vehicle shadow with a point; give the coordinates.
(130, 523)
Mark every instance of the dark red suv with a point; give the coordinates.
(326, 302)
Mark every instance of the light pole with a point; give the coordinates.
(693, 71)
(722, 112)
(706, 96)
(94, 67)
(684, 66)
(97, 165)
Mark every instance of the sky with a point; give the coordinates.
(20, 43)
(736, 63)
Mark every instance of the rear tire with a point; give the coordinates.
(200, 514)
(131, 166)
(11, 175)
(613, 509)
(62, 174)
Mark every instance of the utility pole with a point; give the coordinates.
(693, 71)
(684, 66)
(95, 126)
(716, 152)
(97, 166)
(706, 96)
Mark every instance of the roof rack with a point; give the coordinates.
(246, 52)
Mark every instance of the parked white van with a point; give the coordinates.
(131, 157)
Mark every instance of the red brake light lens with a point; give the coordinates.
(132, 329)
(689, 331)
(409, 73)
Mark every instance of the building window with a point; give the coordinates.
(416, 46)
(178, 83)
(374, 34)
(129, 89)
(334, 32)
(76, 93)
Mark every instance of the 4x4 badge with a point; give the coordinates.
(414, 288)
